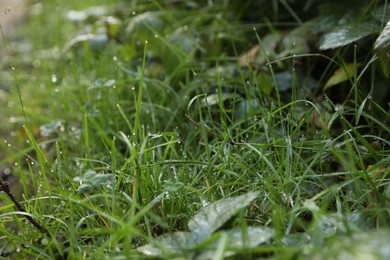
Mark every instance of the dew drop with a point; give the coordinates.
(7, 171)
(54, 78)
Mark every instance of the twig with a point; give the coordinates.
(5, 187)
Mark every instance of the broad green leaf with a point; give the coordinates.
(89, 14)
(283, 80)
(94, 42)
(383, 41)
(346, 34)
(92, 179)
(294, 44)
(235, 240)
(173, 186)
(332, 224)
(359, 246)
(382, 47)
(204, 223)
(112, 25)
(382, 13)
(246, 107)
(213, 216)
(264, 81)
(296, 240)
(84, 188)
(100, 179)
(213, 99)
(170, 243)
(51, 128)
(139, 28)
(184, 40)
(102, 83)
(340, 75)
(98, 41)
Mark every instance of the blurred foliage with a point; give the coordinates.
(309, 35)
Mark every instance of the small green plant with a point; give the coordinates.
(205, 239)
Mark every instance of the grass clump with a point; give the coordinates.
(260, 131)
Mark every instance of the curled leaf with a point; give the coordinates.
(342, 74)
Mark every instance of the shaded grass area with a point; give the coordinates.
(125, 137)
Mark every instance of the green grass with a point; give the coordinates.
(134, 149)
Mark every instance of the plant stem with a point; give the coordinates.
(4, 186)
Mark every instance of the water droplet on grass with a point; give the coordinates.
(7, 171)
(36, 63)
(54, 78)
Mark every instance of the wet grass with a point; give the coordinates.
(116, 146)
